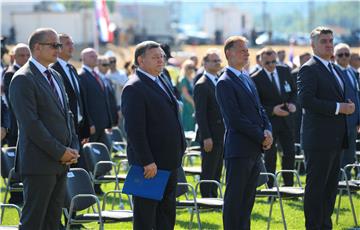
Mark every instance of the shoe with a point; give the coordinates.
(98, 190)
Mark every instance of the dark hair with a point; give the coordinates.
(142, 47)
(38, 36)
(229, 43)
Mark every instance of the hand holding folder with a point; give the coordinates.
(136, 184)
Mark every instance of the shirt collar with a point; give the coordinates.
(63, 63)
(235, 71)
(323, 61)
(211, 76)
(17, 65)
(37, 64)
(87, 68)
(147, 74)
(269, 73)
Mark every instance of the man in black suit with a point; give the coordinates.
(303, 58)
(322, 94)
(21, 54)
(342, 58)
(47, 139)
(277, 93)
(211, 127)
(96, 98)
(155, 135)
(74, 91)
(355, 63)
(248, 133)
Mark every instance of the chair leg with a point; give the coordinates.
(352, 206)
(191, 217)
(338, 206)
(282, 212)
(198, 218)
(270, 212)
(2, 208)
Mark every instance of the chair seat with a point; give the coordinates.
(202, 203)
(210, 202)
(107, 216)
(9, 228)
(193, 170)
(299, 157)
(120, 155)
(110, 178)
(285, 192)
(354, 185)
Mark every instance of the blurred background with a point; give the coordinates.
(187, 26)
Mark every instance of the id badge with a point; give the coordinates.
(287, 87)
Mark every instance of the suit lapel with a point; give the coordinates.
(153, 85)
(237, 80)
(38, 76)
(328, 75)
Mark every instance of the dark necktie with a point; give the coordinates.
(244, 79)
(161, 85)
(340, 84)
(72, 78)
(52, 84)
(98, 80)
(274, 82)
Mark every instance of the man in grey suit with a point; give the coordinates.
(47, 141)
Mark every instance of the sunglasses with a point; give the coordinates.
(270, 62)
(215, 61)
(340, 55)
(112, 61)
(52, 45)
(105, 64)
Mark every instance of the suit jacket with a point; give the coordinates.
(207, 111)
(244, 117)
(152, 124)
(319, 92)
(8, 75)
(270, 97)
(97, 101)
(83, 128)
(45, 126)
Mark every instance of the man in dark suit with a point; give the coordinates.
(248, 133)
(47, 139)
(322, 95)
(21, 54)
(277, 92)
(304, 57)
(74, 91)
(355, 63)
(342, 58)
(95, 97)
(211, 127)
(155, 135)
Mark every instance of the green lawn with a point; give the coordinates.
(213, 219)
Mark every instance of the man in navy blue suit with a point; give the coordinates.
(248, 133)
(155, 135)
(323, 95)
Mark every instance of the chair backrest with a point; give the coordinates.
(78, 182)
(93, 152)
(116, 134)
(7, 160)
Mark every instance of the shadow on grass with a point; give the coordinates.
(204, 225)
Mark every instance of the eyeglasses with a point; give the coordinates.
(105, 64)
(52, 45)
(215, 61)
(112, 61)
(270, 62)
(340, 55)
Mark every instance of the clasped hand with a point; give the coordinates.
(70, 156)
(268, 140)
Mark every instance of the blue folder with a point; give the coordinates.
(136, 184)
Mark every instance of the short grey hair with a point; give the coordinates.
(314, 35)
(341, 46)
(38, 36)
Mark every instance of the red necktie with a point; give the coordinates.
(52, 85)
(98, 80)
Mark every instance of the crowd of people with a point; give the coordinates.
(50, 109)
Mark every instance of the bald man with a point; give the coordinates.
(96, 100)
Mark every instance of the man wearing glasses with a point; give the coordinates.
(277, 94)
(342, 58)
(47, 139)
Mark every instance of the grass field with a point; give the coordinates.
(213, 219)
